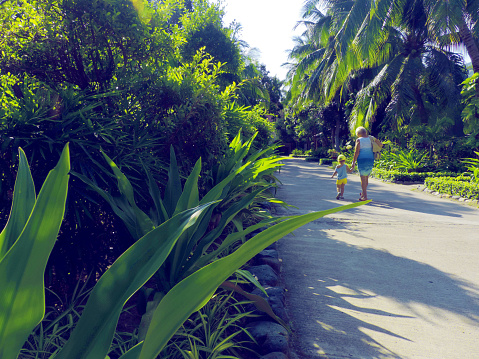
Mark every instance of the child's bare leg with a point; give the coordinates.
(342, 189)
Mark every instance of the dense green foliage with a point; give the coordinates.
(123, 82)
(127, 78)
(453, 186)
(28, 241)
(325, 161)
(401, 176)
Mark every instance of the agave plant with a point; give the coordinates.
(409, 160)
(238, 184)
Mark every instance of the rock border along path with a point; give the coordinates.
(396, 278)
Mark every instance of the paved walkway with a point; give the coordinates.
(397, 278)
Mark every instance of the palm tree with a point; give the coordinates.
(313, 60)
(459, 20)
(388, 50)
(414, 73)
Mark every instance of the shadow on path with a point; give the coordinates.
(393, 198)
(355, 301)
(332, 289)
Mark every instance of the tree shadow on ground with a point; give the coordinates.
(316, 176)
(409, 201)
(329, 280)
(331, 286)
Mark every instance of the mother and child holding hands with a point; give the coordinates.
(364, 152)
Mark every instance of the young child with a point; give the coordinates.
(342, 171)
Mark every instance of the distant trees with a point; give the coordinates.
(387, 64)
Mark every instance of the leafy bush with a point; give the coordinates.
(326, 161)
(215, 331)
(312, 159)
(409, 160)
(320, 152)
(31, 233)
(399, 176)
(297, 152)
(473, 167)
(469, 113)
(333, 153)
(453, 186)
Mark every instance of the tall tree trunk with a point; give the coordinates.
(471, 46)
(336, 133)
(421, 109)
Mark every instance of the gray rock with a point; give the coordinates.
(275, 299)
(462, 199)
(456, 197)
(268, 253)
(265, 275)
(271, 337)
(271, 247)
(269, 257)
(274, 355)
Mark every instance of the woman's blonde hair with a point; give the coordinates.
(361, 130)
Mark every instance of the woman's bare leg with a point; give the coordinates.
(364, 187)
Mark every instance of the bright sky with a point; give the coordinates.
(267, 25)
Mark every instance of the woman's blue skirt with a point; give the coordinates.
(365, 165)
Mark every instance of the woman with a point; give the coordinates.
(364, 156)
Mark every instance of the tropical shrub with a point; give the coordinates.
(215, 331)
(453, 187)
(471, 109)
(41, 122)
(409, 160)
(320, 152)
(58, 323)
(325, 161)
(400, 176)
(297, 152)
(333, 153)
(28, 240)
(237, 185)
(473, 167)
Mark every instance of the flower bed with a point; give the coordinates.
(453, 186)
(398, 176)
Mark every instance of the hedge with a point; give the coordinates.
(325, 161)
(312, 159)
(453, 186)
(396, 176)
